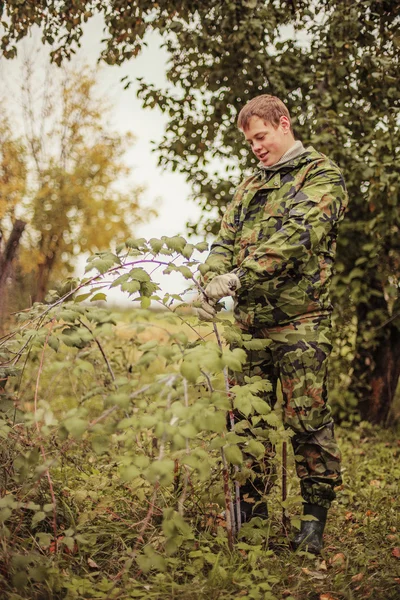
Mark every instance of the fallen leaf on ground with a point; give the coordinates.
(357, 577)
(313, 574)
(396, 552)
(322, 566)
(326, 597)
(338, 561)
(375, 483)
(92, 564)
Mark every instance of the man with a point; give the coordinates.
(275, 254)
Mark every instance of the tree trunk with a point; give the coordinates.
(377, 361)
(384, 379)
(6, 259)
(43, 276)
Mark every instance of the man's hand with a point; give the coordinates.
(206, 310)
(221, 286)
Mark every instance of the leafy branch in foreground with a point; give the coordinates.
(153, 408)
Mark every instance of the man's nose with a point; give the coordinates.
(257, 146)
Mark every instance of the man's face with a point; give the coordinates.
(268, 143)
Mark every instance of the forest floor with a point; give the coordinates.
(101, 520)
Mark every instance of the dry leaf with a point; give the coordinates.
(326, 597)
(322, 566)
(396, 552)
(92, 564)
(357, 577)
(375, 483)
(338, 561)
(313, 574)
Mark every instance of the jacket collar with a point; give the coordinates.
(307, 155)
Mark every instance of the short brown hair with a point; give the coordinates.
(266, 107)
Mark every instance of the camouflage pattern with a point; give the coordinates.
(298, 356)
(279, 236)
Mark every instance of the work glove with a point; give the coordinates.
(206, 310)
(221, 286)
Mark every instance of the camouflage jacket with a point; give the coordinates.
(279, 236)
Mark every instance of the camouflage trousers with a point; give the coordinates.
(297, 356)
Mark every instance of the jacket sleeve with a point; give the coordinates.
(220, 260)
(314, 211)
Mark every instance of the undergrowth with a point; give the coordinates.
(115, 450)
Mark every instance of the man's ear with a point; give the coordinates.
(285, 123)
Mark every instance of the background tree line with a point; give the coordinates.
(336, 64)
(58, 192)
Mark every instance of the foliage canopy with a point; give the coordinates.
(66, 175)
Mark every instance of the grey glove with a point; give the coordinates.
(206, 310)
(222, 285)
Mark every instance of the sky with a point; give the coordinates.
(166, 191)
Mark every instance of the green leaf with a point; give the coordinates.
(5, 514)
(176, 243)
(129, 473)
(215, 422)
(243, 404)
(139, 244)
(357, 273)
(100, 444)
(75, 426)
(156, 245)
(272, 419)
(139, 274)
(188, 250)
(37, 518)
(202, 247)
(217, 443)
(145, 302)
(98, 296)
(103, 263)
(233, 455)
(69, 542)
(151, 560)
(204, 268)
(186, 272)
(54, 342)
(234, 359)
(44, 539)
(260, 406)
(162, 471)
(190, 371)
(188, 431)
(255, 449)
(234, 438)
(130, 286)
(257, 344)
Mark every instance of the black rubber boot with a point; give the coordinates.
(310, 536)
(251, 503)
